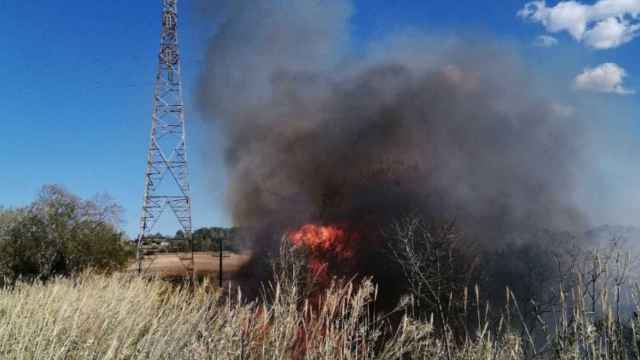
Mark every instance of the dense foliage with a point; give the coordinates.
(204, 239)
(209, 239)
(60, 234)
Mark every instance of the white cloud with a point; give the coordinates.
(603, 25)
(606, 78)
(610, 33)
(545, 41)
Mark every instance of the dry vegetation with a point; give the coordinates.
(128, 317)
(589, 310)
(174, 265)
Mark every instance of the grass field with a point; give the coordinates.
(123, 316)
(126, 316)
(179, 265)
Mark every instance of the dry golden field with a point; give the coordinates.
(176, 265)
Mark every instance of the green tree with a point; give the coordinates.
(59, 234)
(208, 239)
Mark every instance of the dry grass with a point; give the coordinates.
(127, 317)
(178, 265)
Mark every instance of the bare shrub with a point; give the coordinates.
(438, 269)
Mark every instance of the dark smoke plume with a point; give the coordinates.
(457, 132)
(318, 135)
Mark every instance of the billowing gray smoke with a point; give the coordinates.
(319, 134)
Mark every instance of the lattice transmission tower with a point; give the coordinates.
(166, 178)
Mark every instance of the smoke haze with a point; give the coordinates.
(317, 134)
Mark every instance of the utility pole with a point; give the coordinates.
(220, 254)
(167, 177)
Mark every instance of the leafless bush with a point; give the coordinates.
(438, 270)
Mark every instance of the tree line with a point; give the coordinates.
(204, 239)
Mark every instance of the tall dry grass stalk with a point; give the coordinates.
(95, 316)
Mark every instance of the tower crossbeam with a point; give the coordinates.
(167, 155)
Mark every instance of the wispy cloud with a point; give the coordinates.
(604, 78)
(603, 25)
(545, 41)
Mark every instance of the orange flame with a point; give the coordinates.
(331, 249)
(327, 245)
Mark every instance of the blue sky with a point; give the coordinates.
(78, 79)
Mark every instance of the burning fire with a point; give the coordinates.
(331, 248)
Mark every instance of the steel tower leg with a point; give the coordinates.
(167, 156)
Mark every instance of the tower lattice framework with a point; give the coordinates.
(167, 156)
